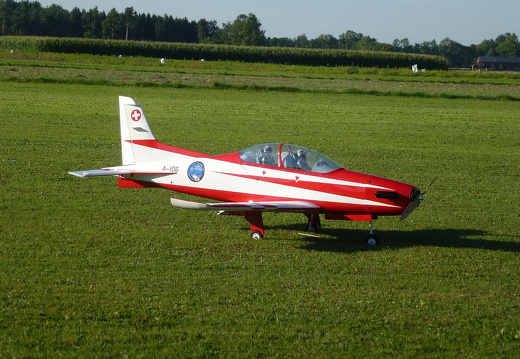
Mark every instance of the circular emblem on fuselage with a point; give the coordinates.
(196, 171)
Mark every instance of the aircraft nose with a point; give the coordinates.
(415, 193)
(392, 197)
(415, 199)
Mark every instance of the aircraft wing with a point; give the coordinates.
(276, 206)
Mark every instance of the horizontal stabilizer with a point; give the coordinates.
(115, 171)
(101, 172)
(279, 206)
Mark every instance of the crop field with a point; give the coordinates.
(88, 269)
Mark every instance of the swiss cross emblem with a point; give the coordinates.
(136, 115)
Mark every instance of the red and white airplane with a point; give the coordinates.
(272, 177)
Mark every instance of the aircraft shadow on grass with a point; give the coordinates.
(347, 241)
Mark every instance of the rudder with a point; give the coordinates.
(134, 127)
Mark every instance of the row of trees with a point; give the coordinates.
(31, 18)
(459, 55)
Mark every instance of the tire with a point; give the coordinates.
(256, 235)
(372, 241)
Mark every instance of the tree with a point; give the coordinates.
(457, 54)
(428, 47)
(301, 41)
(169, 28)
(7, 8)
(56, 21)
(76, 23)
(402, 45)
(25, 18)
(349, 40)
(111, 25)
(280, 42)
(508, 47)
(93, 20)
(245, 30)
(160, 28)
(184, 31)
(206, 30)
(325, 42)
(367, 43)
(143, 27)
(485, 48)
(129, 18)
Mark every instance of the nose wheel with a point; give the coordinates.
(372, 239)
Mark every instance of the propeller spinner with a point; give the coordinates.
(416, 197)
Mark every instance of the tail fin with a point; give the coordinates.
(134, 127)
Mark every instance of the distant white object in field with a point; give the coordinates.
(201, 59)
(163, 61)
(414, 68)
(12, 51)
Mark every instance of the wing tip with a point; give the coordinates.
(180, 203)
(80, 174)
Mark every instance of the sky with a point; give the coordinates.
(465, 21)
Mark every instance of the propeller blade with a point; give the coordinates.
(410, 208)
(428, 187)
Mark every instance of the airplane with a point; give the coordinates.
(269, 177)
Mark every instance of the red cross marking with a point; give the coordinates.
(136, 115)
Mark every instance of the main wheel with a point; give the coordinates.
(372, 241)
(313, 227)
(256, 235)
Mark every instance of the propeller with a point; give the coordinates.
(417, 196)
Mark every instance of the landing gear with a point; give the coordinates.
(257, 224)
(314, 223)
(255, 220)
(372, 239)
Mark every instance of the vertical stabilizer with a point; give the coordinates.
(134, 127)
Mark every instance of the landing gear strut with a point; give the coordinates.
(314, 223)
(257, 224)
(372, 239)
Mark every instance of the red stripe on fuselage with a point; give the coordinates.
(229, 196)
(297, 182)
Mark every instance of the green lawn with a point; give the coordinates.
(92, 270)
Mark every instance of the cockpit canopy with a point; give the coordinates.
(288, 156)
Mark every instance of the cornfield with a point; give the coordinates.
(185, 51)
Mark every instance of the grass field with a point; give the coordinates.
(92, 270)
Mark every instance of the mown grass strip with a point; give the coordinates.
(258, 87)
(143, 64)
